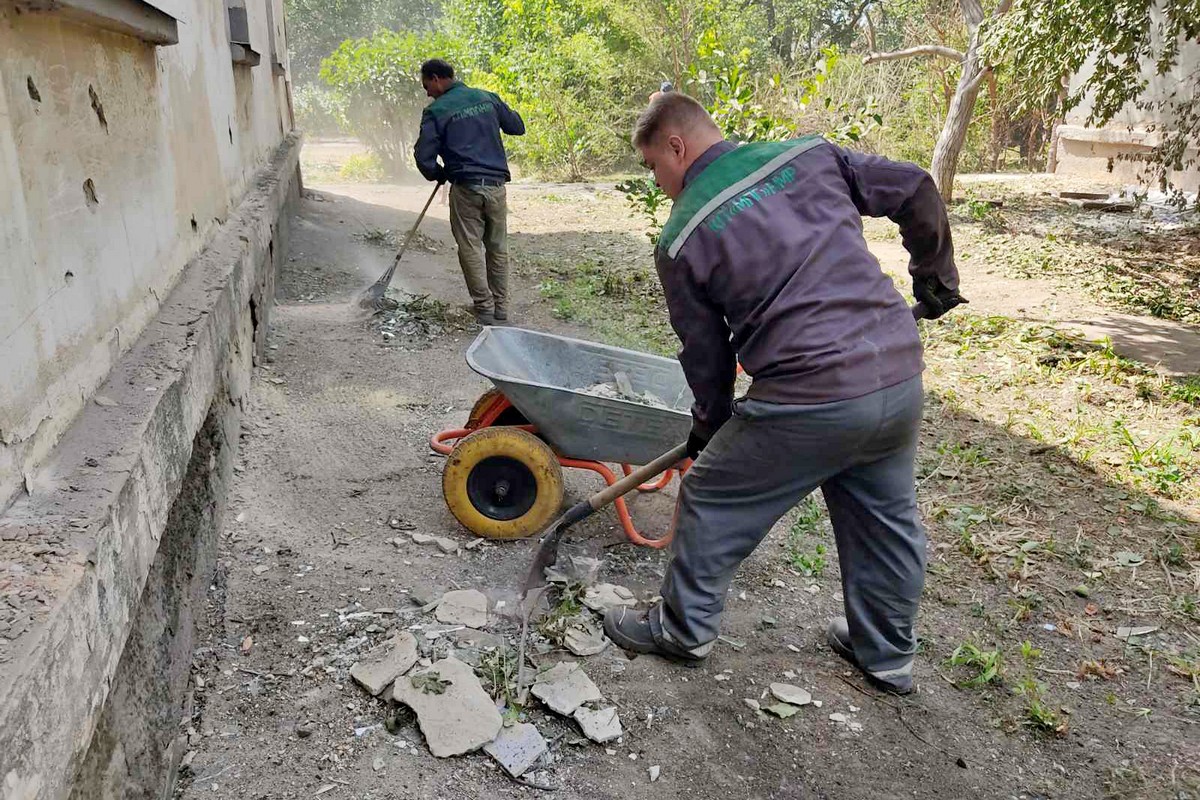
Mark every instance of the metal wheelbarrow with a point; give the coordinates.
(503, 478)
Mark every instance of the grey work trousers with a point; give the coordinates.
(479, 222)
(766, 459)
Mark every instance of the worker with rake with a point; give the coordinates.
(462, 126)
(763, 261)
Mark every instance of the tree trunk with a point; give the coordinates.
(954, 131)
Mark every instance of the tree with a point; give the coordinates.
(317, 27)
(1046, 41)
(975, 67)
(379, 79)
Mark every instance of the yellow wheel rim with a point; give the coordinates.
(503, 483)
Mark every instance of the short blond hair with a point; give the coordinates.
(673, 111)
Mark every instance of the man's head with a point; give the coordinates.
(671, 133)
(436, 76)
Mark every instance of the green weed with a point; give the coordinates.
(1038, 715)
(806, 520)
(984, 663)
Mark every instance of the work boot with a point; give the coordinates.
(501, 314)
(896, 681)
(484, 318)
(632, 630)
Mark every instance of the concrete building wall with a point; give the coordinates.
(118, 161)
(144, 200)
(1096, 152)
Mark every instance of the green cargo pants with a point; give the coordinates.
(479, 220)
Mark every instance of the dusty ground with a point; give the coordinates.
(1055, 538)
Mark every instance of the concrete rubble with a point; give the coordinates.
(584, 636)
(565, 687)
(517, 748)
(782, 710)
(461, 718)
(604, 596)
(792, 695)
(386, 663)
(466, 607)
(601, 726)
(445, 545)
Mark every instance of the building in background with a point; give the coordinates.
(1097, 152)
(147, 159)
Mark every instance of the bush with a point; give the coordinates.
(362, 168)
(320, 111)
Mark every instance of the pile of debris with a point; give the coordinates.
(417, 317)
(459, 680)
(620, 388)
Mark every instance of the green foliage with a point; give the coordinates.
(985, 664)
(362, 168)
(315, 28)
(379, 81)
(320, 111)
(805, 524)
(645, 200)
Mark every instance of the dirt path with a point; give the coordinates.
(1171, 346)
(335, 444)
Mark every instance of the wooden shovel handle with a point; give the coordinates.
(639, 476)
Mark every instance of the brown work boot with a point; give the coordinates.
(484, 317)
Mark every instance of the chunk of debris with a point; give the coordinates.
(573, 569)
(378, 763)
(462, 719)
(584, 636)
(793, 695)
(751, 704)
(517, 748)
(565, 687)
(654, 772)
(465, 607)
(442, 543)
(398, 523)
(1125, 633)
(104, 402)
(386, 663)
(261, 568)
(782, 710)
(605, 596)
(601, 726)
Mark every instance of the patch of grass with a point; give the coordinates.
(806, 520)
(1029, 653)
(1038, 715)
(499, 672)
(554, 624)
(984, 664)
(362, 168)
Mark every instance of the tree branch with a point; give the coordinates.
(1002, 9)
(941, 51)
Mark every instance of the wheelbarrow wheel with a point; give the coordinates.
(503, 483)
(487, 404)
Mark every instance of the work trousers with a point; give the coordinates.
(479, 222)
(759, 465)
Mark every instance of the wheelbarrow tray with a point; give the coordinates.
(546, 377)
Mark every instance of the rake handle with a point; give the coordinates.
(386, 278)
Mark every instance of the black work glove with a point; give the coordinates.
(935, 297)
(695, 444)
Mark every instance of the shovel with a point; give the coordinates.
(372, 297)
(547, 551)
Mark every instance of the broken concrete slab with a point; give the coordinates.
(565, 687)
(584, 636)
(442, 543)
(793, 695)
(654, 772)
(517, 748)
(782, 710)
(605, 596)
(453, 711)
(469, 637)
(386, 663)
(601, 726)
(465, 607)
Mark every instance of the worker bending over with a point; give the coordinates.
(763, 261)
